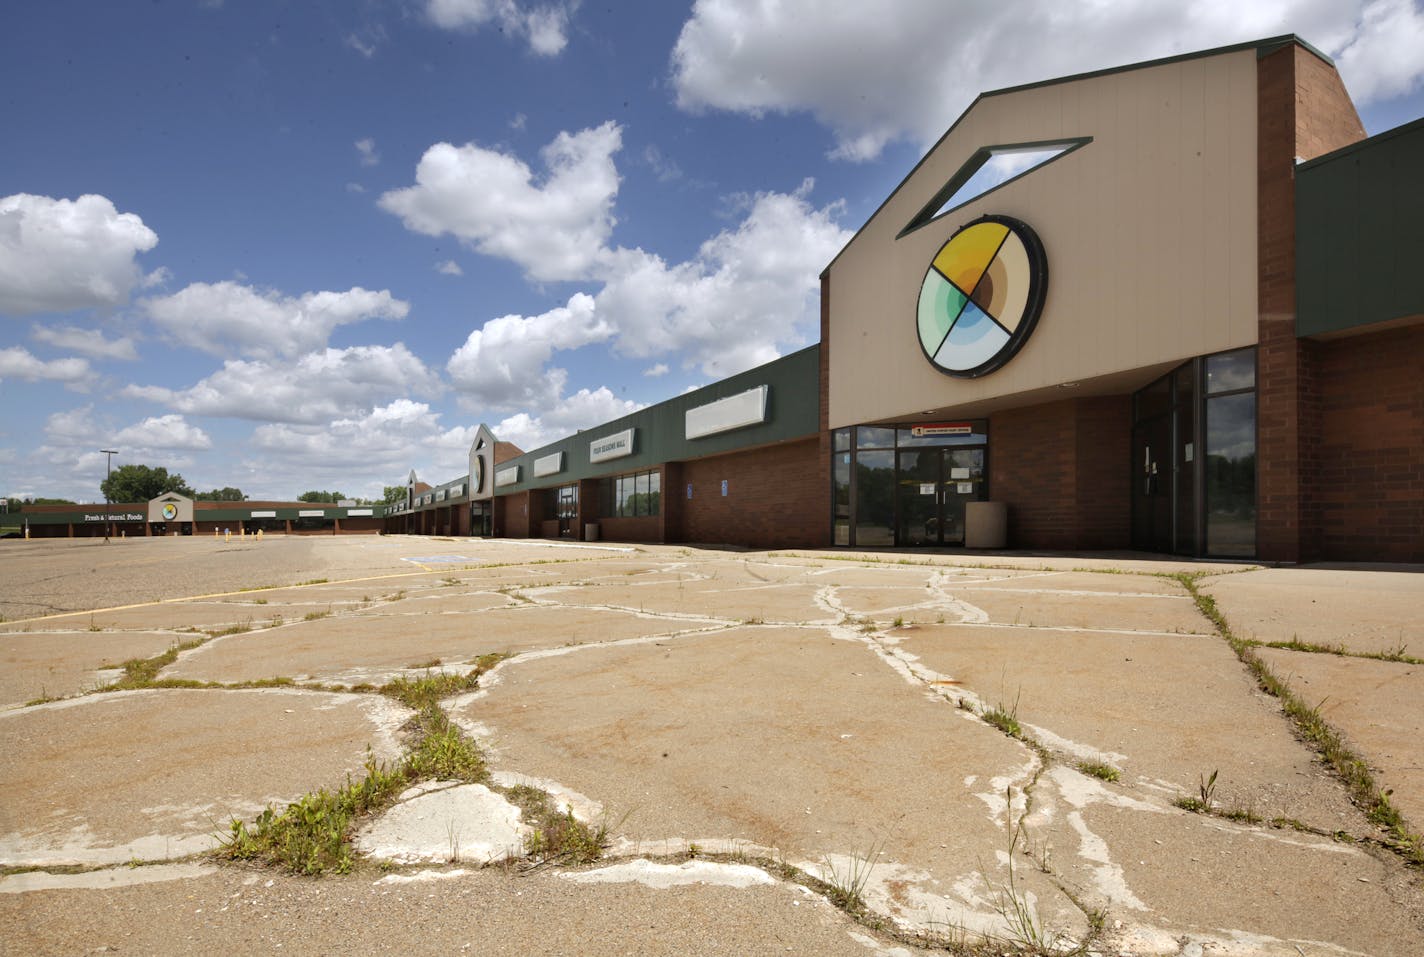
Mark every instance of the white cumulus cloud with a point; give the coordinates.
(317, 387)
(163, 432)
(62, 254)
(545, 27)
(375, 448)
(223, 317)
(748, 291)
(1384, 56)
(17, 362)
(366, 152)
(905, 69)
(87, 342)
(583, 409)
(553, 226)
(502, 365)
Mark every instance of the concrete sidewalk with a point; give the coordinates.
(992, 747)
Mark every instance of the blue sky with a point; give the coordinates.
(313, 244)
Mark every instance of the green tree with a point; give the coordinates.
(15, 502)
(324, 498)
(139, 483)
(226, 494)
(394, 494)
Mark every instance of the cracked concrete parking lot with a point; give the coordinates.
(498, 747)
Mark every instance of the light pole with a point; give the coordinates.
(108, 474)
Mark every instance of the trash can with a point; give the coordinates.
(590, 532)
(986, 524)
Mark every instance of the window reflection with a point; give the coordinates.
(1231, 371)
(840, 479)
(873, 436)
(1230, 479)
(875, 498)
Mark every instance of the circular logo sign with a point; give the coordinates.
(981, 296)
(170, 511)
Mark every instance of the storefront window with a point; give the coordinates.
(875, 498)
(840, 495)
(631, 496)
(1230, 479)
(1231, 371)
(874, 437)
(841, 439)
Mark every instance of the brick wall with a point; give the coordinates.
(1370, 488)
(777, 497)
(1063, 470)
(1302, 111)
(670, 517)
(1104, 471)
(1032, 467)
(616, 529)
(516, 515)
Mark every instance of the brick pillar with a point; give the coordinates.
(674, 504)
(1278, 506)
(1303, 111)
(587, 507)
(823, 467)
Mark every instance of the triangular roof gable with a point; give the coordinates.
(1262, 47)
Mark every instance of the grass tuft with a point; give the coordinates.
(313, 835)
(556, 836)
(1099, 770)
(143, 672)
(1005, 718)
(1312, 728)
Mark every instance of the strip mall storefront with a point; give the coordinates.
(1173, 307)
(1108, 341)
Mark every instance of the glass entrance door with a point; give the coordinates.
(566, 507)
(1152, 485)
(934, 486)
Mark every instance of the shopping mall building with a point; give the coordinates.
(1186, 318)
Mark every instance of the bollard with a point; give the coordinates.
(227, 535)
(215, 533)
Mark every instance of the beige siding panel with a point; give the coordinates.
(1150, 233)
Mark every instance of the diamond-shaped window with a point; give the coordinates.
(990, 168)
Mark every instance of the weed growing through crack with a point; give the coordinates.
(1314, 730)
(419, 693)
(1205, 797)
(1005, 718)
(1099, 770)
(1026, 931)
(555, 836)
(1395, 654)
(846, 886)
(241, 628)
(142, 672)
(443, 753)
(312, 836)
(316, 615)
